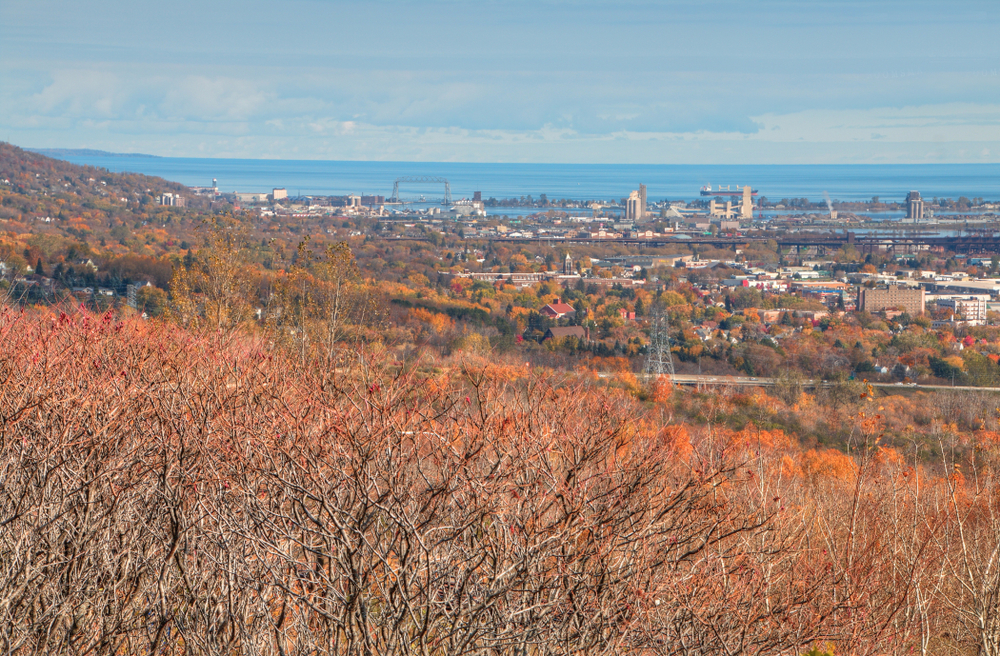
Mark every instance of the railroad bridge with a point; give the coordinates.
(977, 243)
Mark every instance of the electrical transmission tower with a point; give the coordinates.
(659, 362)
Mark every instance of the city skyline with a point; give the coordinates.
(684, 83)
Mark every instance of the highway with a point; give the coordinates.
(749, 381)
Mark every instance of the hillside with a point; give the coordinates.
(88, 227)
(71, 152)
(35, 186)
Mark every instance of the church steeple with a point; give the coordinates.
(567, 266)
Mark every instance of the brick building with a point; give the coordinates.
(891, 298)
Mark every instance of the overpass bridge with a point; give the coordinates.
(982, 243)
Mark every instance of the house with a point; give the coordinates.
(626, 315)
(579, 332)
(557, 309)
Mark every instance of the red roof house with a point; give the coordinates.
(558, 309)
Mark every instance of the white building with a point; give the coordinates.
(172, 200)
(971, 309)
(255, 197)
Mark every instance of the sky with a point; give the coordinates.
(767, 82)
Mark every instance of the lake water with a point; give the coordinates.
(889, 182)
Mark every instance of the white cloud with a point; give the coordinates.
(203, 98)
(800, 139)
(232, 113)
(81, 93)
(551, 80)
(953, 122)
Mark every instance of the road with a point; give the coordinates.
(749, 381)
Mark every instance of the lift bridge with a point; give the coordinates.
(421, 179)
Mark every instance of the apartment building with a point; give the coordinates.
(892, 298)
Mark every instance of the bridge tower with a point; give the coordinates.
(421, 179)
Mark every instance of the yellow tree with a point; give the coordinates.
(322, 300)
(344, 298)
(219, 284)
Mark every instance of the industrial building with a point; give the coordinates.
(914, 206)
(746, 207)
(633, 207)
(469, 208)
(728, 211)
(261, 197)
(207, 191)
(722, 210)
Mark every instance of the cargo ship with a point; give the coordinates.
(735, 191)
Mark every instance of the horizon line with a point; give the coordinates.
(94, 152)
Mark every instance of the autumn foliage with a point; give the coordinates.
(166, 491)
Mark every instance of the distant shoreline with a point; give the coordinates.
(610, 182)
(83, 152)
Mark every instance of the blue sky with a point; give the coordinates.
(507, 81)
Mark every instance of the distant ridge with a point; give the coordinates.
(83, 152)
